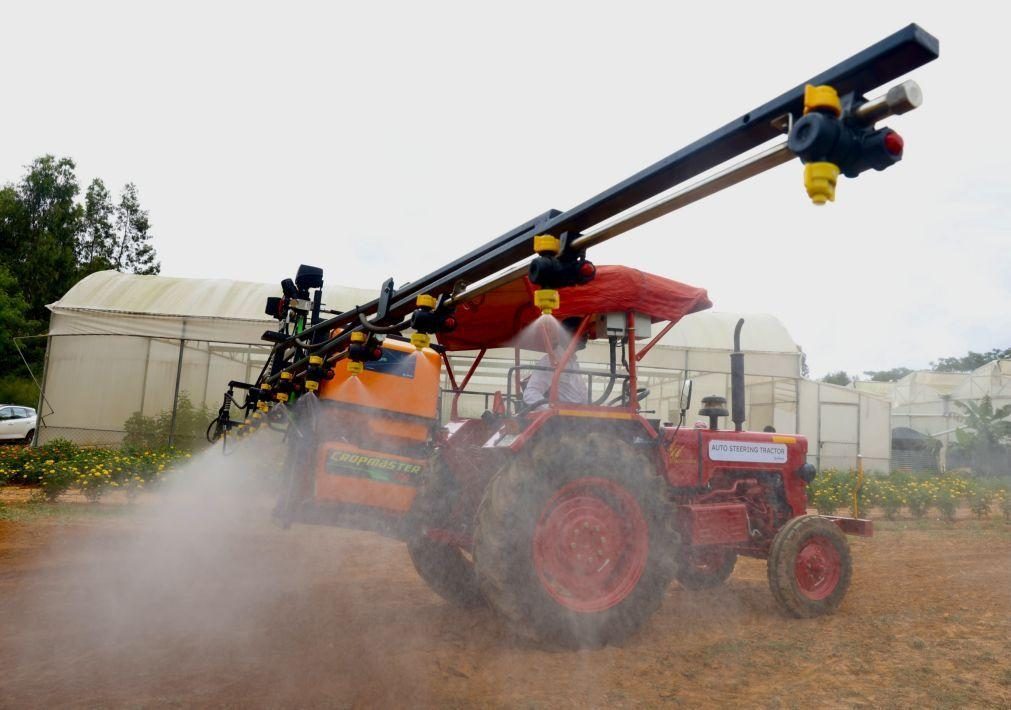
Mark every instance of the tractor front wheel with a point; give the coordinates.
(809, 566)
(705, 568)
(571, 545)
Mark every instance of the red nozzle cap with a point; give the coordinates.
(894, 143)
(587, 269)
(377, 353)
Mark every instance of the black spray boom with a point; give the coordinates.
(836, 124)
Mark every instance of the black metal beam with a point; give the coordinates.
(885, 61)
(907, 49)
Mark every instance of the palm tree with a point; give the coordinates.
(984, 433)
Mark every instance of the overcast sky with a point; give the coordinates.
(384, 139)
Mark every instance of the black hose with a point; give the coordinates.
(383, 328)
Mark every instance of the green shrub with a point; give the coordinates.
(153, 432)
(62, 465)
(980, 500)
(55, 478)
(1003, 498)
(951, 490)
(23, 465)
(93, 481)
(17, 390)
(886, 494)
(829, 491)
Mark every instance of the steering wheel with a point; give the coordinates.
(640, 394)
(527, 408)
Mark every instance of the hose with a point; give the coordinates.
(386, 329)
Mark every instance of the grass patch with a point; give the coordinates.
(32, 511)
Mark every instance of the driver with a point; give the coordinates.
(571, 384)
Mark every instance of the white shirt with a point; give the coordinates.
(571, 385)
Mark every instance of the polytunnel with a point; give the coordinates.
(121, 345)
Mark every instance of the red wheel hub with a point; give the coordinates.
(590, 545)
(818, 568)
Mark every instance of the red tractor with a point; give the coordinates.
(562, 505)
(570, 518)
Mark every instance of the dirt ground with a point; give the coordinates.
(342, 620)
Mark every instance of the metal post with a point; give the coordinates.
(859, 443)
(143, 382)
(41, 420)
(175, 396)
(207, 374)
(818, 455)
(796, 404)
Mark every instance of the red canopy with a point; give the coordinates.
(496, 318)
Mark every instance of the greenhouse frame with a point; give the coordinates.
(123, 344)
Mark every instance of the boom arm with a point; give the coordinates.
(583, 225)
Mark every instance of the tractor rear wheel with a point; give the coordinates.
(809, 566)
(572, 545)
(445, 567)
(705, 568)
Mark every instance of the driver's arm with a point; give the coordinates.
(537, 387)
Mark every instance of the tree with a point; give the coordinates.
(132, 250)
(970, 362)
(49, 240)
(13, 322)
(98, 237)
(837, 378)
(893, 375)
(985, 431)
(39, 225)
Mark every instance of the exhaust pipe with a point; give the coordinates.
(737, 380)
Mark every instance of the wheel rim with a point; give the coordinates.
(818, 568)
(590, 545)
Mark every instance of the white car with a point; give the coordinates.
(17, 423)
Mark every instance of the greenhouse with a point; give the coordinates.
(122, 346)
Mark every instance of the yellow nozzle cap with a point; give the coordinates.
(311, 385)
(265, 387)
(282, 396)
(821, 97)
(285, 375)
(315, 360)
(355, 367)
(425, 301)
(262, 406)
(819, 181)
(547, 244)
(359, 337)
(420, 340)
(547, 299)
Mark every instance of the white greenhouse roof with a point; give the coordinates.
(112, 291)
(109, 302)
(714, 330)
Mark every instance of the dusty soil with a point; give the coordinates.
(319, 617)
